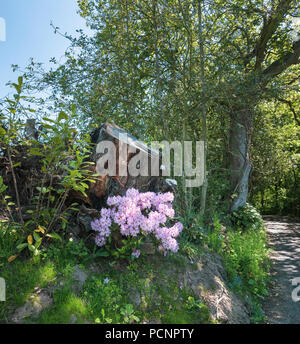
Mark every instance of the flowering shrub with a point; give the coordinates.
(137, 215)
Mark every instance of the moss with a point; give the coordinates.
(21, 279)
(66, 305)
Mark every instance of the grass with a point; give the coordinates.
(21, 278)
(244, 250)
(66, 305)
(247, 265)
(143, 291)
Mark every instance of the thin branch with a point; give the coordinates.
(289, 103)
(282, 63)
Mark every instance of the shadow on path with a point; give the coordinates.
(284, 241)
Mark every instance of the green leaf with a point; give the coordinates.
(101, 253)
(37, 238)
(38, 244)
(31, 247)
(20, 81)
(35, 151)
(48, 120)
(73, 108)
(17, 87)
(54, 236)
(62, 115)
(22, 246)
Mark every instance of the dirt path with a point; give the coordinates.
(284, 240)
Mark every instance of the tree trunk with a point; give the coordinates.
(240, 164)
(203, 107)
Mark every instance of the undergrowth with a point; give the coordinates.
(243, 247)
(142, 291)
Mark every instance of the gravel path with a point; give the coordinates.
(284, 241)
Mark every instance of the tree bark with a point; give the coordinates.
(240, 164)
(241, 119)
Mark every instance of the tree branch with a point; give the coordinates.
(282, 63)
(269, 27)
(289, 103)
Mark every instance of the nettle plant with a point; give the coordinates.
(134, 217)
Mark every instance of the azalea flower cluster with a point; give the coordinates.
(139, 213)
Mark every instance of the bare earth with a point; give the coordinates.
(284, 240)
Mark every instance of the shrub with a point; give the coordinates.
(135, 216)
(247, 217)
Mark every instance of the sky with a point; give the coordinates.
(25, 32)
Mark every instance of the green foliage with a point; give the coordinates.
(121, 250)
(128, 314)
(215, 238)
(67, 252)
(11, 235)
(61, 153)
(193, 233)
(246, 261)
(66, 304)
(105, 299)
(247, 217)
(5, 199)
(141, 69)
(275, 155)
(140, 292)
(21, 279)
(244, 250)
(245, 254)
